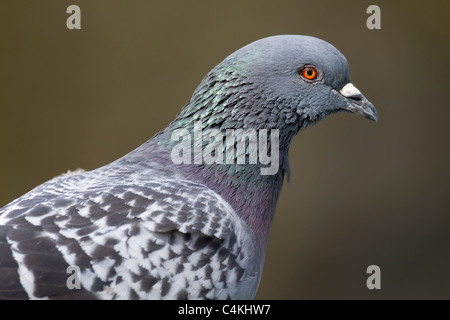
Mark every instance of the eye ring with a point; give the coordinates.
(309, 73)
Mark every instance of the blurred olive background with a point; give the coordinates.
(361, 193)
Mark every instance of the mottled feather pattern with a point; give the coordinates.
(130, 240)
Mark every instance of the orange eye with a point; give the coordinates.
(309, 73)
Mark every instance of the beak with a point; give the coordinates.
(357, 103)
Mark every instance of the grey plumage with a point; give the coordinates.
(144, 227)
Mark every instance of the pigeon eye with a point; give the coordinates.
(309, 73)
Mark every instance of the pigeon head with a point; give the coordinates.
(285, 82)
(308, 76)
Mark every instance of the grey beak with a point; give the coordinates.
(357, 103)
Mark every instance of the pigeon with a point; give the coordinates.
(185, 215)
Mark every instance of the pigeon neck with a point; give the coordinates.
(225, 101)
(250, 193)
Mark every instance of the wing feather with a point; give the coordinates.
(158, 239)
